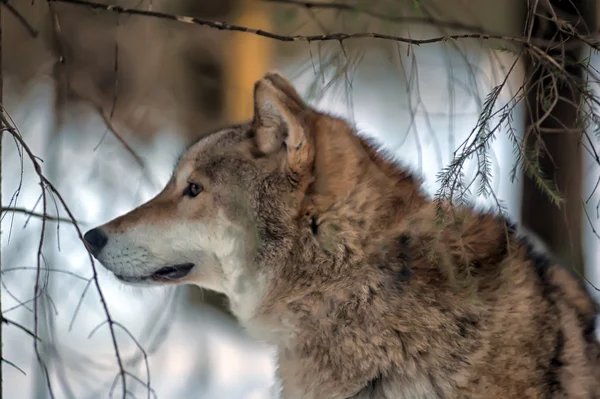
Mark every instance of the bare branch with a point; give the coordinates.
(38, 215)
(46, 185)
(67, 272)
(30, 29)
(107, 119)
(311, 5)
(141, 349)
(109, 125)
(79, 303)
(20, 327)
(14, 366)
(339, 36)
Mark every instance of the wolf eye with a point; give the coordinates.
(192, 190)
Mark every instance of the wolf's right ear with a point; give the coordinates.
(281, 124)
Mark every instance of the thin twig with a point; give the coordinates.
(14, 366)
(30, 29)
(106, 118)
(38, 215)
(141, 349)
(20, 327)
(48, 269)
(339, 36)
(47, 185)
(311, 5)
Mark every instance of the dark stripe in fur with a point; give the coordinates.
(373, 390)
(552, 378)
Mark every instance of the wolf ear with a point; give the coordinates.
(281, 124)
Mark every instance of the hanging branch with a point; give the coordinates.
(31, 213)
(30, 29)
(48, 187)
(428, 20)
(338, 36)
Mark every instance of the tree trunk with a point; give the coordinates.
(559, 134)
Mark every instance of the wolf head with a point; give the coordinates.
(229, 208)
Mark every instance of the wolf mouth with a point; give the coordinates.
(167, 273)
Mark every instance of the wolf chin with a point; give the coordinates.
(330, 251)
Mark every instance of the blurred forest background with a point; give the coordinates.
(492, 101)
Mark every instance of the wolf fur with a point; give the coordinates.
(331, 252)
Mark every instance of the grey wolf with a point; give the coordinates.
(330, 251)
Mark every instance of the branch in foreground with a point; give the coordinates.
(30, 29)
(138, 159)
(47, 185)
(339, 36)
(14, 366)
(37, 215)
(525, 42)
(20, 327)
(310, 5)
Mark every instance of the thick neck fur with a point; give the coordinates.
(357, 197)
(375, 287)
(327, 283)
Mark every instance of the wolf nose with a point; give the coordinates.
(96, 240)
